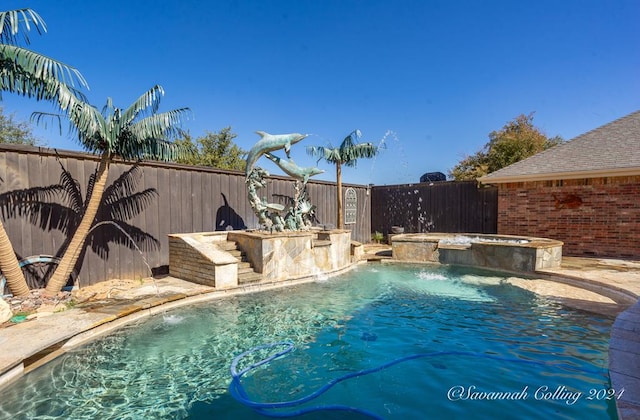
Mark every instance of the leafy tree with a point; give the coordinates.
(16, 132)
(470, 168)
(30, 74)
(137, 132)
(214, 149)
(346, 154)
(191, 152)
(517, 140)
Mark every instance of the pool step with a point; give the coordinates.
(246, 273)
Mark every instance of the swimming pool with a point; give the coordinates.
(481, 347)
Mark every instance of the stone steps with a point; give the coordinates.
(246, 273)
(248, 278)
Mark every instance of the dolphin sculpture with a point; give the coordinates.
(293, 170)
(269, 143)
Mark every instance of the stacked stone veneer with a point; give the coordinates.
(293, 255)
(537, 253)
(196, 257)
(593, 217)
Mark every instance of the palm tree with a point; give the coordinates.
(33, 75)
(347, 154)
(135, 133)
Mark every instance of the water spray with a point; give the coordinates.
(144, 260)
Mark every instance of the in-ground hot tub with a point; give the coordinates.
(505, 252)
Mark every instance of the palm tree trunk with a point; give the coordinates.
(60, 277)
(339, 195)
(9, 266)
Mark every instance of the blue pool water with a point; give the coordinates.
(475, 348)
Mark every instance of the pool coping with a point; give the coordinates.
(48, 337)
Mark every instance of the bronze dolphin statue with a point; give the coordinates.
(269, 143)
(293, 170)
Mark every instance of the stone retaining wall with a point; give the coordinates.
(291, 255)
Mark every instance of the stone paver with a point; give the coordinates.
(614, 273)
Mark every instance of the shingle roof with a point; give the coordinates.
(610, 150)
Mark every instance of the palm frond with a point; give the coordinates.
(348, 141)
(348, 153)
(84, 119)
(163, 125)
(129, 134)
(152, 148)
(108, 109)
(331, 155)
(12, 20)
(43, 119)
(40, 67)
(147, 104)
(15, 79)
(358, 151)
(89, 125)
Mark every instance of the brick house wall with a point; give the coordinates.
(593, 217)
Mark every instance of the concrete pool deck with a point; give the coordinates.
(25, 346)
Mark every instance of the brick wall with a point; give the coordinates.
(593, 217)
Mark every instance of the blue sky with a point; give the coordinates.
(431, 78)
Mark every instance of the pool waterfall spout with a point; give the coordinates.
(144, 260)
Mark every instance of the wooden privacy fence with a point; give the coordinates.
(186, 199)
(435, 207)
(171, 198)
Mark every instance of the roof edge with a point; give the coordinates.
(550, 176)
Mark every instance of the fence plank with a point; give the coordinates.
(164, 225)
(208, 214)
